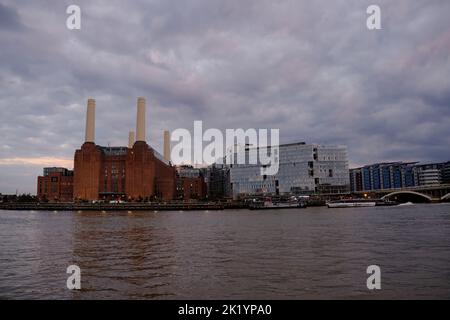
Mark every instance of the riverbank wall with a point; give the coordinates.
(112, 207)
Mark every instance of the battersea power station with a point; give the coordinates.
(132, 173)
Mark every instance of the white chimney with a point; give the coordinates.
(90, 121)
(166, 145)
(130, 139)
(140, 121)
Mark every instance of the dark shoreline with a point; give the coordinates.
(116, 206)
(136, 206)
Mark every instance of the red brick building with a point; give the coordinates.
(132, 173)
(191, 189)
(190, 184)
(56, 185)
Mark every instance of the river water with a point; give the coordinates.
(313, 253)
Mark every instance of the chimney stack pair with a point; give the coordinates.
(140, 122)
(140, 126)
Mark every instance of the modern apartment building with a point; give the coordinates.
(397, 175)
(429, 174)
(446, 173)
(387, 175)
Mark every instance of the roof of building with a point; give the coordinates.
(122, 151)
(385, 164)
(114, 151)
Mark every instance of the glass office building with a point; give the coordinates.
(303, 169)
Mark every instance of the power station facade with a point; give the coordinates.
(133, 173)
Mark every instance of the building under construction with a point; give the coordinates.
(133, 173)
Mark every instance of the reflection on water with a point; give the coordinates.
(123, 255)
(241, 254)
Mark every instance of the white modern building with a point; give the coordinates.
(429, 174)
(303, 169)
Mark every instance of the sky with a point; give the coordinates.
(310, 68)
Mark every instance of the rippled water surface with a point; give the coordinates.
(241, 254)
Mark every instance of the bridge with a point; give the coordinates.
(430, 193)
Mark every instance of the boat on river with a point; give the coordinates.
(270, 204)
(351, 203)
(406, 204)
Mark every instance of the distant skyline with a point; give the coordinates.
(310, 68)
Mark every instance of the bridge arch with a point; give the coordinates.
(447, 196)
(408, 192)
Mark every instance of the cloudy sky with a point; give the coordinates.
(310, 68)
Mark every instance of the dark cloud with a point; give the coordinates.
(311, 69)
(9, 19)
